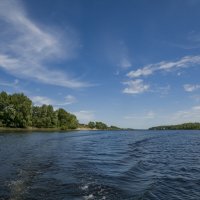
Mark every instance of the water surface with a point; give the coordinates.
(100, 165)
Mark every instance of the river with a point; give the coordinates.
(84, 165)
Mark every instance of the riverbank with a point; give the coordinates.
(34, 129)
(28, 129)
(185, 126)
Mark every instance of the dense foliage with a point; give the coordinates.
(185, 126)
(102, 126)
(66, 120)
(17, 111)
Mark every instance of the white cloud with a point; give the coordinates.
(84, 116)
(190, 115)
(141, 72)
(69, 99)
(10, 84)
(191, 88)
(148, 115)
(40, 100)
(184, 62)
(163, 90)
(150, 119)
(197, 108)
(118, 53)
(26, 48)
(135, 87)
(196, 98)
(125, 62)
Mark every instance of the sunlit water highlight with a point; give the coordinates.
(130, 165)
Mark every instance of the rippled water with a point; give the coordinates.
(100, 165)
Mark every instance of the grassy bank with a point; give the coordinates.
(33, 129)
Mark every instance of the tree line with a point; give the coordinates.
(18, 111)
(102, 126)
(185, 126)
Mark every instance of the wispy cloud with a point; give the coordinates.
(10, 84)
(27, 47)
(190, 115)
(190, 87)
(135, 86)
(123, 56)
(162, 90)
(151, 118)
(148, 115)
(194, 37)
(196, 98)
(125, 62)
(148, 70)
(184, 62)
(84, 116)
(40, 100)
(69, 99)
(118, 53)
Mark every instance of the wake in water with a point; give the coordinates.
(100, 165)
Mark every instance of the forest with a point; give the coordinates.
(18, 111)
(102, 126)
(185, 126)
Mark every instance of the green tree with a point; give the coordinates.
(72, 122)
(62, 119)
(9, 116)
(114, 128)
(101, 125)
(22, 107)
(44, 117)
(4, 103)
(15, 110)
(66, 120)
(185, 126)
(91, 125)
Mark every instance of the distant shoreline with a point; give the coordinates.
(184, 126)
(33, 129)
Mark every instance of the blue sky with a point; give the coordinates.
(127, 63)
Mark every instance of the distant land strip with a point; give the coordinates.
(184, 126)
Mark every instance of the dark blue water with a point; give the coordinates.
(100, 165)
